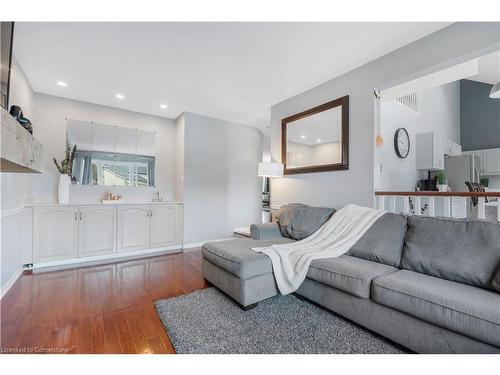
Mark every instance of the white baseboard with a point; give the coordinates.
(194, 245)
(5, 288)
(113, 256)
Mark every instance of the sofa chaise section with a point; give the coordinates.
(244, 274)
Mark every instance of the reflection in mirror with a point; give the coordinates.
(317, 139)
(110, 155)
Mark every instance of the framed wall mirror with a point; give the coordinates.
(317, 140)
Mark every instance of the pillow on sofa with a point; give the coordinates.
(383, 242)
(467, 251)
(299, 221)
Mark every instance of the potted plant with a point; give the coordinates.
(65, 169)
(441, 182)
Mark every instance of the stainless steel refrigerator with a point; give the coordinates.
(459, 169)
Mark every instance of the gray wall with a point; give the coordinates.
(221, 187)
(479, 116)
(457, 43)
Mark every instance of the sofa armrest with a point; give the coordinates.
(266, 231)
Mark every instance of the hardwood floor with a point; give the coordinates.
(99, 309)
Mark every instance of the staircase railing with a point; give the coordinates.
(447, 204)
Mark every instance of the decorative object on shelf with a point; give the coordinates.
(156, 197)
(17, 113)
(379, 141)
(442, 183)
(402, 143)
(65, 170)
(109, 197)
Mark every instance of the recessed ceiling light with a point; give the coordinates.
(318, 140)
(302, 137)
(163, 106)
(61, 83)
(119, 96)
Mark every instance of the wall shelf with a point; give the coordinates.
(20, 151)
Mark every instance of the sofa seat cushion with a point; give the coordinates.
(349, 274)
(237, 257)
(462, 308)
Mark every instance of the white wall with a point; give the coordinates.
(50, 130)
(221, 188)
(179, 158)
(457, 43)
(439, 111)
(15, 188)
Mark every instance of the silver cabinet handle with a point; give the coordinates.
(80, 215)
(76, 217)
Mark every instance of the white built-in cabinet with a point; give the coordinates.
(163, 226)
(55, 234)
(489, 161)
(97, 231)
(133, 228)
(62, 232)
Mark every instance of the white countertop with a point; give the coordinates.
(101, 204)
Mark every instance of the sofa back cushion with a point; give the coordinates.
(298, 221)
(383, 242)
(460, 250)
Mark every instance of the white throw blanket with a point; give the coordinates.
(291, 261)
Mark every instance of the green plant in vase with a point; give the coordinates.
(441, 180)
(66, 166)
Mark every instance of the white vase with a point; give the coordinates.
(442, 187)
(63, 193)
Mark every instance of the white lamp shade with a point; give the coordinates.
(495, 91)
(270, 169)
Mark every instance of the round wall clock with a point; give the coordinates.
(402, 143)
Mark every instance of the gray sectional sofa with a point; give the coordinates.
(426, 283)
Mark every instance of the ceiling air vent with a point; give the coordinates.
(410, 101)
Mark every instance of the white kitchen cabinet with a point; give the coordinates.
(133, 228)
(163, 226)
(450, 148)
(491, 162)
(479, 154)
(55, 233)
(429, 152)
(97, 231)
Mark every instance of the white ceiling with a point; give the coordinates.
(231, 71)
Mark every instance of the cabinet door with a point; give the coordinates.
(133, 228)
(491, 160)
(55, 234)
(97, 231)
(163, 226)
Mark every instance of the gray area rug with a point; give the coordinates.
(207, 321)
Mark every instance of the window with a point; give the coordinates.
(113, 169)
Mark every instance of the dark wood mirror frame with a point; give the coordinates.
(342, 102)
